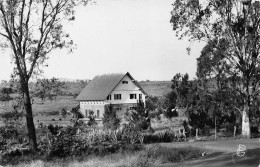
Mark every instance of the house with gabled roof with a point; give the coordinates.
(122, 91)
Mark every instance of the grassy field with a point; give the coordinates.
(62, 102)
(156, 88)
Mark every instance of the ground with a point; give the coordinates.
(222, 153)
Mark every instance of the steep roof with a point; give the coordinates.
(102, 85)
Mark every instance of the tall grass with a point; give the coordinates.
(151, 156)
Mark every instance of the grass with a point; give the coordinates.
(150, 156)
(175, 123)
(156, 88)
(62, 102)
(115, 160)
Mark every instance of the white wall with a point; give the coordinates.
(94, 106)
(125, 90)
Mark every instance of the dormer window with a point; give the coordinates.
(124, 82)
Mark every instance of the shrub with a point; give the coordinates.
(66, 143)
(91, 117)
(110, 119)
(139, 118)
(157, 153)
(254, 130)
(169, 113)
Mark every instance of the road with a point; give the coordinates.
(222, 154)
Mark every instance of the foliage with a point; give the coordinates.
(48, 88)
(169, 113)
(5, 98)
(163, 155)
(110, 119)
(233, 28)
(5, 94)
(91, 117)
(13, 114)
(151, 103)
(139, 117)
(31, 30)
(180, 94)
(65, 144)
(6, 91)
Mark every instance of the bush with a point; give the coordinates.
(163, 155)
(139, 118)
(169, 113)
(155, 114)
(163, 136)
(254, 129)
(66, 143)
(91, 117)
(110, 119)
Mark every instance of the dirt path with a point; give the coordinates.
(222, 154)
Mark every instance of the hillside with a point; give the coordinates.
(156, 88)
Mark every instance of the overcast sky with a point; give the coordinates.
(118, 36)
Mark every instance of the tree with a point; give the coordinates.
(215, 77)
(6, 91)
(237, 22)
(151, 103)
(48, 88)
(31, 29)
(110, 119)
(180, 91)
(139, 118)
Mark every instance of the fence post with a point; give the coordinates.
(196, 133)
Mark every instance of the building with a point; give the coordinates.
(119, 90)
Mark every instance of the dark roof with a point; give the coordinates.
(101, 86)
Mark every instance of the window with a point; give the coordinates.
(109, 97)
(140, 96)
(118, 108)
(98, 115)
(117, 96)
(132, 96)
(125, 82)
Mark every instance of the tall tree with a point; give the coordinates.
(238, 22)
(31, 29)
(180, 90)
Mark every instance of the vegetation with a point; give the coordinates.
(161, 155)
(110, 118)
(139, 117)
(48, 88)
(91, 117)
(232, 29)
(32, 29)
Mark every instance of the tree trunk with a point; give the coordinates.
(29, 117)
(245, 122)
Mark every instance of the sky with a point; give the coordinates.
(119, 36)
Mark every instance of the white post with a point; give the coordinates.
(235, 129)
(197, 133)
